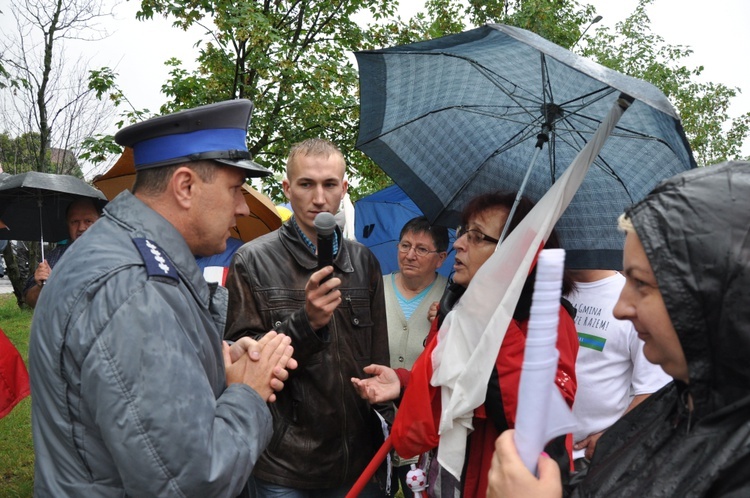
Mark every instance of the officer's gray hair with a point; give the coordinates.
(154, 181)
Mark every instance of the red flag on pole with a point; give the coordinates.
(14, 379)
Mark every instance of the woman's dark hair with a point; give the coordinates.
(421, 224)
(495, 200)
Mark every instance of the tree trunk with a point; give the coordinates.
(15, 270)
(44, 129)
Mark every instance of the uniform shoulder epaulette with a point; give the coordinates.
(156, 260)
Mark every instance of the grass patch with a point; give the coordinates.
(16, 448)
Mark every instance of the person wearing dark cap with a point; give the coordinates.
(134, 392)
(325, 435)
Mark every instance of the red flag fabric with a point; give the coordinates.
(14, 379)
(415, 428)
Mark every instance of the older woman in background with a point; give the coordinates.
(409, 292)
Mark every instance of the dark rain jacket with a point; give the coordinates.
(324, 433)
(695, 229)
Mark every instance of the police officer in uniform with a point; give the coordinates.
(134, 392)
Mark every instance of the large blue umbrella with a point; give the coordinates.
(457, 116)
(378, 219)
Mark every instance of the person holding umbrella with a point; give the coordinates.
(134, 392)
(687, 274)
(80, 215)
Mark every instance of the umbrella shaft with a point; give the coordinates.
(521, 189)
(41, 226)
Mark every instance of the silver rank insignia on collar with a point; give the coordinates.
(156, 260)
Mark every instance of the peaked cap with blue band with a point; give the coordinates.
(215, 132)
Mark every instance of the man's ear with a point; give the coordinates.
(441, 259)
(182, 185)
(345, 185)
(285, 185)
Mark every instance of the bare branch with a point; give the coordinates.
(52, 101)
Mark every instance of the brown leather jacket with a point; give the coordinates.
(324, 433)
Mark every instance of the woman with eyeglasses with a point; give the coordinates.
(409, 292)
(483, 220)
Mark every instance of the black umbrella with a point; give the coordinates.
(33, 205)
(457, 116)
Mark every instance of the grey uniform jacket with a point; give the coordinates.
(128, 375)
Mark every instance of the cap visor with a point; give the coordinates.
(254, 169)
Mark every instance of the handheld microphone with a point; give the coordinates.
(325, 225)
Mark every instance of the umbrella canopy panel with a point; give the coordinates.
(264, 217)
(457, 116)
(33, 205)
(378, 221)
(119, 177)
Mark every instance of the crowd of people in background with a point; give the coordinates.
(149, 381)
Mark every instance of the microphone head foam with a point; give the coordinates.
(324, 223)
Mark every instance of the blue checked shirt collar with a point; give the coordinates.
(309, 243)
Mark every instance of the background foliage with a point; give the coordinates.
(293, 59)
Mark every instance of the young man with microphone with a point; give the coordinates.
(324, 433)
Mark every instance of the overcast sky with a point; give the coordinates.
(717, 32)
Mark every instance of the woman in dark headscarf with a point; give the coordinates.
(687, 264)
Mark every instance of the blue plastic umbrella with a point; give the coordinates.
(499, 107)
(378, 219)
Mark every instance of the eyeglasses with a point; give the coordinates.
(420, 251)
(474, 236)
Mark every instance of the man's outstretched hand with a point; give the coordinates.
(383, 386)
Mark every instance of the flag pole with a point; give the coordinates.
(370, 469)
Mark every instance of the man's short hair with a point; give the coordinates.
(94, 203)
(154, 181)
(312, 147)
(421, 224)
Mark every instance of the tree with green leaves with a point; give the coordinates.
(17, 154)
(293, 59)
(632, 48)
